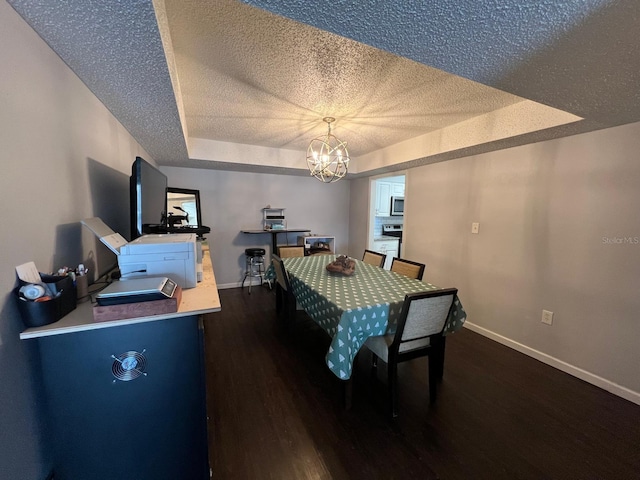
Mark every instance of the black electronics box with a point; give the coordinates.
(38, 314)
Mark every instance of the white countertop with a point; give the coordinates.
(195, 301)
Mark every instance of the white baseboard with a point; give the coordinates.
(589, 377)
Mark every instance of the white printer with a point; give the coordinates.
(170, 255)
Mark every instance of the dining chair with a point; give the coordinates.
(285, 299)
(408, 268)
(288, 251)
(374, 258)
(418, 334)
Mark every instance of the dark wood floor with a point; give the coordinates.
(275, 410)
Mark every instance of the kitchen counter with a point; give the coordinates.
(384, 238)
(388, 245)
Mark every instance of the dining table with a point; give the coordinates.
(352, 308)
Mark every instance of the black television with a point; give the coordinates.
(148, 198)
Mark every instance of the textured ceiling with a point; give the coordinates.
(251, 77)
(581, 56)
(207, 83)
(116, 50)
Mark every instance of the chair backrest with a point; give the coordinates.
(423, 314)
(408, 268)
(282, 277)
(291, 251)
(374, 258)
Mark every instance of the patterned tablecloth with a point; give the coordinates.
(353, 308)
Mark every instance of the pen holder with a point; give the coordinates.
(37, 314)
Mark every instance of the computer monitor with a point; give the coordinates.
(148, 198)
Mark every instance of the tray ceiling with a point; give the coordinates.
(245, 85)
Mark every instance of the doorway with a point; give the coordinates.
(386, 220)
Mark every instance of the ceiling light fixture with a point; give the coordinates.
(327, 157)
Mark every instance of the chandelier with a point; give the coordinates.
(327, 157)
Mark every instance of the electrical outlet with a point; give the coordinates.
(547, 317)
(475, 227)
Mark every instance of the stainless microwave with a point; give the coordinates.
(397, 205)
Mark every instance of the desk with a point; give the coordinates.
(274, 235)
(351, 309)
(195, 301)
(152, 427)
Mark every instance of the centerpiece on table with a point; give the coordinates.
(342, 265)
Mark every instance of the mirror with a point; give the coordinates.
(183, 207)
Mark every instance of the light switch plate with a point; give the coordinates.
(475, 227)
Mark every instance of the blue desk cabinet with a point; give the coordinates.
(152, 427)
(126, 399)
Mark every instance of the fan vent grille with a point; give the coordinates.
(129, 365)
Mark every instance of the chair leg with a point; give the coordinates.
(347, 393)
(393, 387)
(441, 359)
(433, 374)
(279, 294)
(374, 365)
(290, 311)
(251, 274)
(255, 268)
(261, 272)
(246, 274)
(436, 363)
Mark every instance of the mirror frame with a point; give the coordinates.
(187, 191)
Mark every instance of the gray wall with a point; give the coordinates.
(550, 215)
(64, 157)
(232, 201)
(359, 216)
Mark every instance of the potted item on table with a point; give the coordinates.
(343, 265)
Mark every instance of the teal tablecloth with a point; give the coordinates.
(353, 308)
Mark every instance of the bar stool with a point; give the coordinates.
(254, 265)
